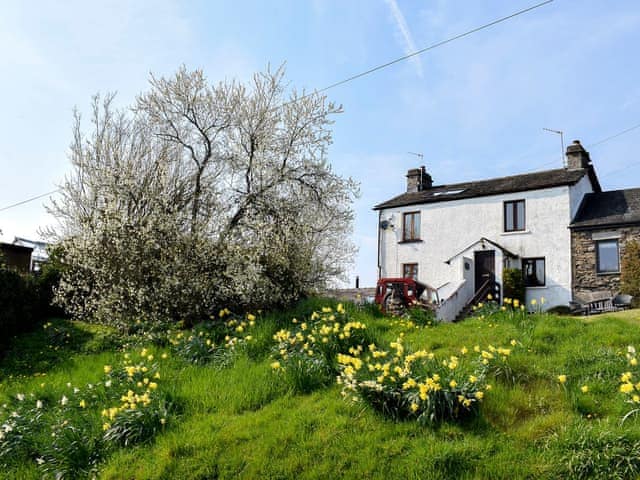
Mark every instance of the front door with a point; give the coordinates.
(485, 265)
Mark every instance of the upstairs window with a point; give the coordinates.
(514, 216)
(411, 226)
(533, 272)
(410, 270)
(607, 256)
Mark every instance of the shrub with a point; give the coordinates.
(630, 272)
(17, 300)
(422, 317)
(25, 300)
(513, 284)
(418, 385)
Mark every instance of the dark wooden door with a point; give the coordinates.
(485, 266)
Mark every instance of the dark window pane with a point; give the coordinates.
(514, 216)
(608, 256)
(540, 271)
(520, 215)
(533, 270)
(508, 212)
(411, 226)
(410, 270)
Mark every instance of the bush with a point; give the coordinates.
(17, 301)
(422, 317)
(513, 284)
(630, 274)
(25, 300)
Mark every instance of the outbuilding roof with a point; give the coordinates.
(608, 209)
(493, 186)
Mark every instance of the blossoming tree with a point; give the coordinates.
(201, 196)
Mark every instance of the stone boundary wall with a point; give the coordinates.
(356, 295)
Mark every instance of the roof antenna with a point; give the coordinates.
(419, 155)
(559, 132)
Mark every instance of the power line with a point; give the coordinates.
(372, 70)
(595, 144)
(435, 45)
(29, 200)
(615, 135)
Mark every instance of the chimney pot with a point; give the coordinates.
(577, 156)
(418, 180)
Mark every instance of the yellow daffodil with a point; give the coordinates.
(562, 379)
(626, 387)
(584, 388)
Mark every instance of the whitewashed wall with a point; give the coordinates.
(577, 193)
(449, 227)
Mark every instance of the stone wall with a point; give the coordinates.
(586, 281)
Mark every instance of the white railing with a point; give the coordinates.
(449, 308)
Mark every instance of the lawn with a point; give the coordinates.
(241, 418)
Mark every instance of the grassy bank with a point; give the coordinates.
(242, 419)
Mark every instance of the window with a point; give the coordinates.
(533, 272)
(514, 216)
(410, 270)
(607, 256)
(411, 226)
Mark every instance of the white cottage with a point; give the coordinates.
(458, 238)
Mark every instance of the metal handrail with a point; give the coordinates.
(485, 289)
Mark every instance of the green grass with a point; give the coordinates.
(244, 422)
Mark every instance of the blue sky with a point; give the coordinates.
(475, 108)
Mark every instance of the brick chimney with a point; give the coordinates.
(577, 156)
(418, 180)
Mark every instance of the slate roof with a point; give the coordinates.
(608, 209)
(493, 186)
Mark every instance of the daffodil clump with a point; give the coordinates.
(216, 340)
(307, 352)
(66, 432)
(418, 384)
(630, 382)
(511, 308)
(140, 410)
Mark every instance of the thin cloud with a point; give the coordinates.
(408, 43)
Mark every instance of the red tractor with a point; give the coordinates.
(401, 293)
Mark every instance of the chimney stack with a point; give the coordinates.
(577, 156)
(418, 180)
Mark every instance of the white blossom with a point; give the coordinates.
(201, 196)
